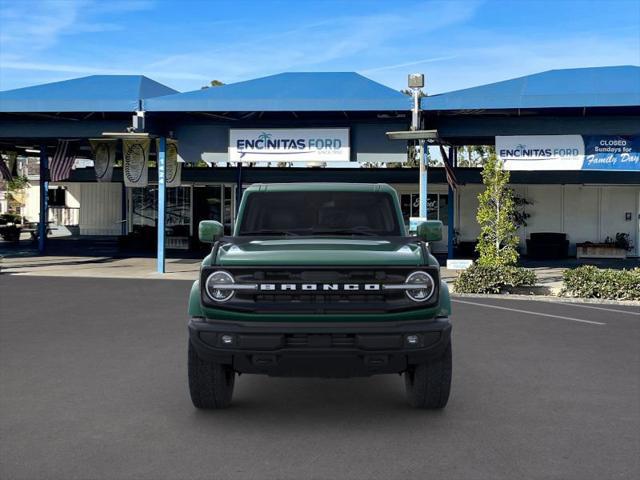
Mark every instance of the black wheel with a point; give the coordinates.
(210, 384)
(428, 384)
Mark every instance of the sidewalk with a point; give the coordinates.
(549, 277)
(99, 267)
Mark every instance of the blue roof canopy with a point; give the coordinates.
(577, 87)
(96, 93)
(297, 92)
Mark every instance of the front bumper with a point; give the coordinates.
(319, 349)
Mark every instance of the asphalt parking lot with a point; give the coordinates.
(93, 386)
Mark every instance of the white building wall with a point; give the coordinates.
(73, 195)
(615, 204)
(466, 209)
(100, 208)
(32, 202)
(586, 213)
(581, 215)
(546, 210)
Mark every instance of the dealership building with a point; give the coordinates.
(571, 139)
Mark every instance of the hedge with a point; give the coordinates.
(591, 282)
(494, 279)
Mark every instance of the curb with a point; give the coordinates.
(549, 298)
(535, 290)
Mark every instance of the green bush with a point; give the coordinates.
(493, 279)
(592, 282)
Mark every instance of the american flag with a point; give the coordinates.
(62, 161)
(448, 169)
(4, 170)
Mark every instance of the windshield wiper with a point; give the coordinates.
(267, 231)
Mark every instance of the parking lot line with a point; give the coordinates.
(530, 312)
(599, 308)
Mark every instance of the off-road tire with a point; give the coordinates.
(428, 384)
(210, 383)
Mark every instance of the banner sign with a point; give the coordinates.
(136, 162)
(289, 145)
(569, 152)
(104, 157)
(541, 152)
(173, 167)
(610, 152)
(458, 264)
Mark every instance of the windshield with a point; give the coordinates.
(319, 213)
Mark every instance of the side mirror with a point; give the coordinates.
(430, 231)
(209, 231)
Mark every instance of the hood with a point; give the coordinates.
(320, 251)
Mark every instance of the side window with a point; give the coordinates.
(57, 197)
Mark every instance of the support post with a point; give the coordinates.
(423, 178)
(123, 210)
(238, 187)
(162, 190)
(44, 199)
(453, 153)
(421, 147)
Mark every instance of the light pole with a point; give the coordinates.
(416, 83)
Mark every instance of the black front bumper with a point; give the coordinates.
(319, 349)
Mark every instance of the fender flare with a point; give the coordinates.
(195, 307)
(444, 300)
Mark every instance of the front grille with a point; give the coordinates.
(320, 300)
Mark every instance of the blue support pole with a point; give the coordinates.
(423, 179)
(162, 190)
(450, 207)
(44, 199)
(123, 209)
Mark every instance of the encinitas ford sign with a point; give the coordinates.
(569, 152)
(541, 152)
(289, 145)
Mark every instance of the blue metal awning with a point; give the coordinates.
(569, 88)
(96, 93)
(288, 92)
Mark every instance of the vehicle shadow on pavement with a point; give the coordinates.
(266, 402)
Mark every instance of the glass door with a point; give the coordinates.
(437, 209)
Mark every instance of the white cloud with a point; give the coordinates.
(436, 37)
(31, 27)
(408, 64)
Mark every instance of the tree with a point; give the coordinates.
(496, 210)
(213, 83)
(15, 194)
(474, 155)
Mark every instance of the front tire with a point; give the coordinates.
(428, 384)
(210, 384)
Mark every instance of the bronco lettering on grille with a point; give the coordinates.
(314, 287)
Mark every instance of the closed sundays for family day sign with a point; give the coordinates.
(569, 152)
(289, 145)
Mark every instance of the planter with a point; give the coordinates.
(599, 250)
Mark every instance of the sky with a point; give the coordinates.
(185, 44)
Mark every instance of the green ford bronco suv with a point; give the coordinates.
(319, 280)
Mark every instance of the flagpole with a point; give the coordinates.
(453, 158)
(44, 199)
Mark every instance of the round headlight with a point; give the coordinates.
(425, 289)
(215, 286)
